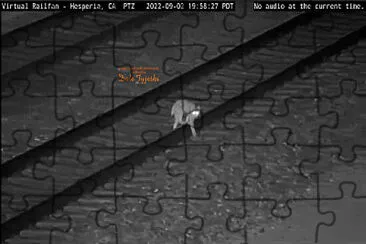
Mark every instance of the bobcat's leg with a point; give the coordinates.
(187, 121)
(190, 121)
(177, 120)
(193, 131)
(175, 125)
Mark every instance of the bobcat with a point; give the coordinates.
(188, 109)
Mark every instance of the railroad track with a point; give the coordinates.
(17, 20)
(61, 33)
(252, 61)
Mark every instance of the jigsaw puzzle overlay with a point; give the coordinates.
(106, 144)
(252, 177)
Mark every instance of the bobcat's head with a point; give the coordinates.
(196, 112)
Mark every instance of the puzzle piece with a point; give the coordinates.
(169, 25)
(350, 130)
(303, 111)
(246, 19)
(13, 39)
(58, 174)
(76, 158)
(190, 58)
(87, 104)
(22, 141)
(45, 232)
(83, 212)
(16, 51)
(241, 10)
(302, 225)
(70, 32)
(299, 88)
(212, 88)
(350, 213)
(300, 43)
(139, 128)
(32, 190)
(332, 171)
(101, 82)
(166, 26)
(239, 78)
(316, 28)
(44, 39)
(223, 219)
(36, 115)
(68, 168)
(279, 176)
(150, 51)
(208, 25)
(346, 58)
(38, 83)
(151, 181)
(214, 134)
(302, 119)
(80, 214)
(228, 168)
(20, 191)
(131, 224)
(24, 189)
